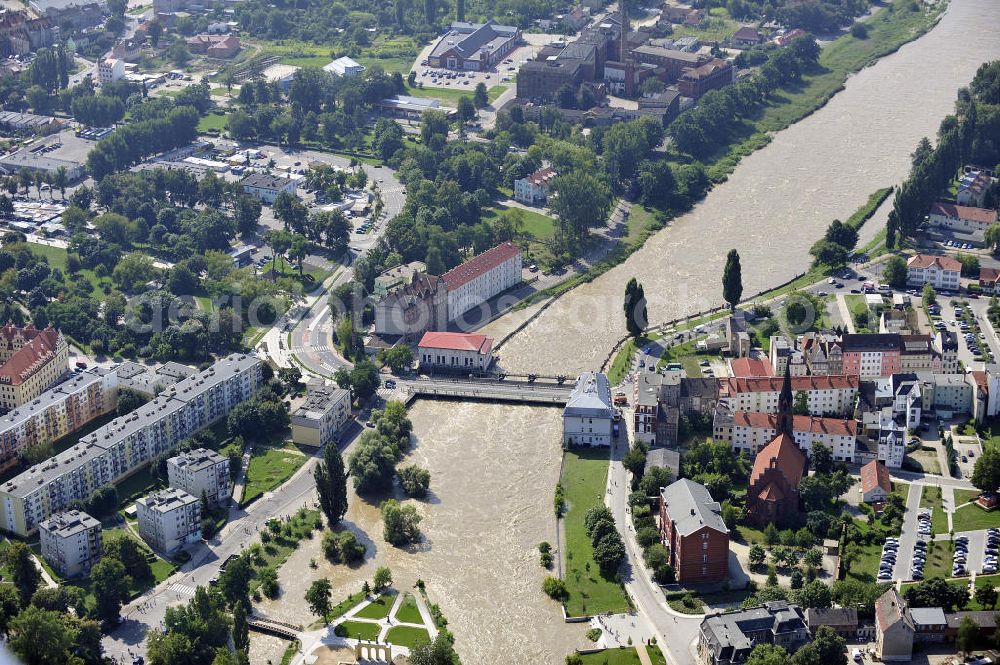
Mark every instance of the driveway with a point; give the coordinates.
(909, 535)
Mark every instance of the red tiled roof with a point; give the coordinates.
(456, 342)
(480, 265)
(928, 260)
(814, 424)
(750, 367)
(771, 493)
(735, 385)
(989, 274)
(789, 460)
(978, 215)
(874, 474)
(747, 32)
(542, 175)
(979, 376)
(39, 348)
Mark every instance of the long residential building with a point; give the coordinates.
(827, 395)
(126, 444)
(57, 412)
(961, 218)
(482, 277)
(943, 273)
(32, 360)
(751, 431)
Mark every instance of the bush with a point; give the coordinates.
(859, 31)
(647, 537)
(555, 588)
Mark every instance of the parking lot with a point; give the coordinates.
(503, 74)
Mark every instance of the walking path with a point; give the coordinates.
(845, 313)
(643, 655)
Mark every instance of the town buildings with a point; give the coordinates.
(693, 531)
(320, 418)
(534, 189)
(201, 472)
(57, 412)
(841, 620)
(826, 395)
(751, 431)
(870, 356)
(482, 277)
(746, 37)
(80, 13)
(465, 353)
(169, 519)
(266, 186)
(588, 416)
(894, 629)
(223, 46)
(110, 70)
(876, 485)
(960, 218)
(32, 360)
(728, 638)
(344, 67)
(71, 542)
(392, 278)
(941, 272)
(20, 33)
(410, 108)
(477, 47)
(972, 188)
(712, 75)
(115, 451)
(413, 308)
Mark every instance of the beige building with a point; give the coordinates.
(319, 419)
(413, 308)
(201, 472)
(169, 519)
(893, 628)
(32, 361)
(71, 542)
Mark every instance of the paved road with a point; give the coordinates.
(909, 535)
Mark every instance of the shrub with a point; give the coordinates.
(555, 588)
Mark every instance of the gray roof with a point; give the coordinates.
(66, 524)
(591, 397)
(927, 616)
(54, 395)
(167, 500)
(690, 507)
(832, 616)
(319, 401)
(664, 457)
(197, 459)
(727, 632)
(266, 181)
(649, 388)
(984, 619)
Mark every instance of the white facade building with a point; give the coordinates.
(344, 67)
(941, 272)
(110, 70)
(266, 187)
(318, 421)
(827, 395)
(534, 189)
(961, 218)
(169, 519)
(588, 417)
(71, 542)
(482, 277)
(459, 352)
(201, 472)
(751, 431)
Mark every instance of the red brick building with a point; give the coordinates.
(712, 75)
(694, 533)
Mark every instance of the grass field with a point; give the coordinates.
(344, 605)
(407, 636)
(965, 496)
(407, 611)
(361, 630)
(451, 95)
(378, 608)
(584, 477)
(57, 259)
(268, 468)
(972, 517)
(939, 559)
(212, 121)
(931, 498)
(277, 551)
(926, 460)
(864, 559)
(623, 656)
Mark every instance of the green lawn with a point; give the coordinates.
(965, 496)
(718, 26)
(450, 96)
(972, 517)
(57, 259)
(268, 468)
(280, 547)
(749, 535)
(407, 636)
(939, 559)
(361, 630)
(584, 477)
(378, 608)
(311, 276)
(623, 656)
(537, 225)
(212, 122)
(344, 605)
(407, 611)
(863, 564)
(931, 498)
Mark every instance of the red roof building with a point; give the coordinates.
(963, 218)
(876, 485)
(455, 352)
(32, 361)
(482, 277)
(750, 367)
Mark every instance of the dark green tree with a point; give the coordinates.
(635, 308)
(331, 484)
(732, 279)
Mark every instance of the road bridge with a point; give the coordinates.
(263, 624)
(488, 390)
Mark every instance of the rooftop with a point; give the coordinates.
(320, 400)
(453, 341)
(690, 507)
(928, 260)
(875, 474)
(977, 215)
(266, 181)
(197, 459)
(813, 424)
(480, 265)
(69, 523)
(165, 501)
(591, 397)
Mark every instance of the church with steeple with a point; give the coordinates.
(773, 495)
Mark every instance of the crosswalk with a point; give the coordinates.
(182, 589)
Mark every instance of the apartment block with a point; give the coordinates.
(319, 419)
(169, 519)
(830, 395)
(32, 360)
(71, 542)
(201, 472)
(126, 444)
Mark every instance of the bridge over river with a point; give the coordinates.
(487, 390)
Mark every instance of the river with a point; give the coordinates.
(778, 201)
(493, 472)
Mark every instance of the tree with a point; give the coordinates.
(399, 358)
(936, 592)
(318, 598)
(767, 654)
(466, 109)
(816, 594)
(41, 637)
(20, 562)
(986, 596)
(609, 554)
(364, 379)
(822, 458)
(826, 648)
(241, 630)
(414, 480)
(801, 405)
(400, 523)
(481, 96)
(10, 605)
(756, 555)
(555, 588)
(986, 474)
(110, 585)
(247, 211)
(382, 579)
(439, 652)
(968, 634)
(732, 279)
(635, 308)
(133, 271)
(331, 484)
(581, 203)
(895, 272)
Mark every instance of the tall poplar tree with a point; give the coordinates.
(732, 279)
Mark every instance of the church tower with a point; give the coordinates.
(785, 404)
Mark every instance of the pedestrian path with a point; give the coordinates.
(643, 654)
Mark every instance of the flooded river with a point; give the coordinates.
(493, 472)
(778, 201)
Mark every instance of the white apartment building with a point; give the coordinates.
(110, 70)
(482, 277)
(534, 189)
(169, 519)
(827, 395)
(319, 420)
(266, 186)
(457, 352)
(588, 416)
(71, 542)
(57, 412)
(961, 218)
(115, 451)
(751, 431)
(941, 272)
(201, 472)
